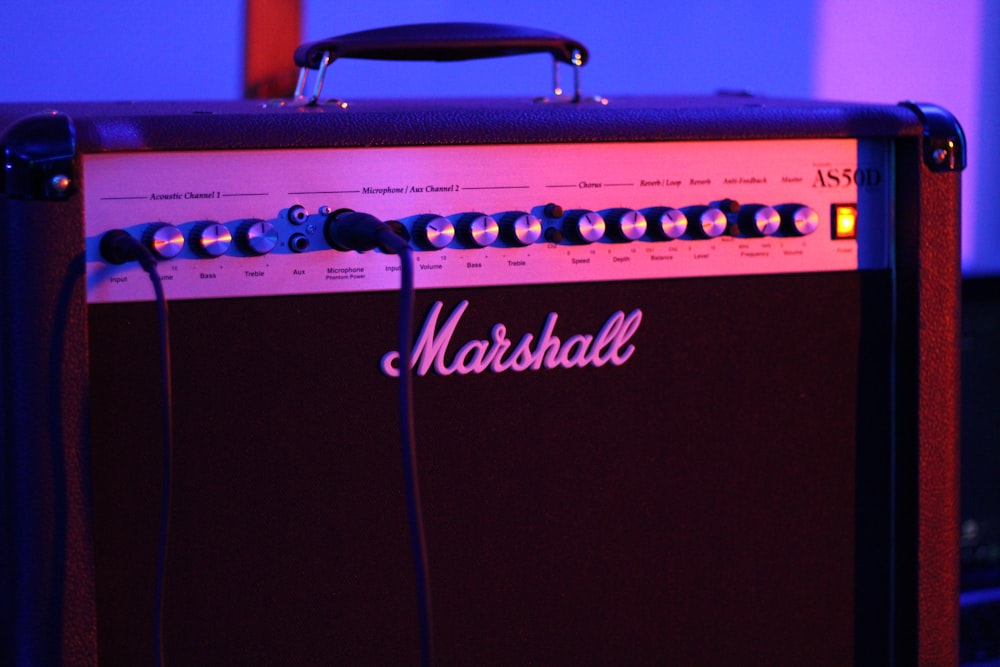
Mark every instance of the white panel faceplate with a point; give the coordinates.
(132, 191)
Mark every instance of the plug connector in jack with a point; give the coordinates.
(345, 229)
(119, 247)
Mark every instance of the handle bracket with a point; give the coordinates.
(441, 42)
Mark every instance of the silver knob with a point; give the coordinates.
(433, 231)
(625, 224)
(665, 223)
(520, 229)
(257, 237)
(758, 220)
(477, 230)
(164, 240)
(797, 219)
(705, 222)
(584, 226)
(211, 239)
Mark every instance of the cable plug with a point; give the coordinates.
(349, 230)
(120, 247)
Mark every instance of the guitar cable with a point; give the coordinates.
(346, 230)
(119, 247)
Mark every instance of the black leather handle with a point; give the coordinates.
(442, 42)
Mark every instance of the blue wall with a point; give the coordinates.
(983, 255)
(185, 49)
(102, 50)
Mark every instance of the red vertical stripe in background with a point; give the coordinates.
(273, 31)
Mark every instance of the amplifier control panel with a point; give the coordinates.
(264, 222)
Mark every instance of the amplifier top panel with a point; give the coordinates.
(265, 222)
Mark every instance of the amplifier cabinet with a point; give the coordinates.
(685, 383)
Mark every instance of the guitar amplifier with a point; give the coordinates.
(683, 372)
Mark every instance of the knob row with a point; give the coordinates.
(661, 223)
(513, 228)
(211, 239)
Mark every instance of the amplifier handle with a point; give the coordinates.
(439, 42)
(442, 42)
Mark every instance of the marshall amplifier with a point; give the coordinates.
(683, 373)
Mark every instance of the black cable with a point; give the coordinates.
(409, 451)
(167, 417)
(119, 247)
(388, 241)
(349, 230)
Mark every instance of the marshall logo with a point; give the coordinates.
(498, 353)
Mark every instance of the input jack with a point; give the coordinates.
(298, 242)
(296, 214)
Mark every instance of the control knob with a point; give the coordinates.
(758, 220)
(257, 237)
(797, 219)
(705, 222)
(582, 226)
(625, 224)
(663, 222)
(433, 231)
(164, 240)
(727, 206)
(211, 239)
(552, 210)
(477, 230)
(518, 228)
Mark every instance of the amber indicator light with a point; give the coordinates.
(845, 221)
